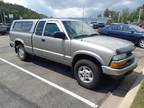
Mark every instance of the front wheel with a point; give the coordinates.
(141, 43)
(87, 73)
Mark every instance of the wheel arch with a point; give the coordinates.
(87, 55)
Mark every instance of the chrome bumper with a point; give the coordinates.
(118, 72)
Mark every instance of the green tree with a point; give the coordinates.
(17, 11)
(107, 13)
(99, 16)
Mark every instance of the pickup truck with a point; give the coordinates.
(75, 44)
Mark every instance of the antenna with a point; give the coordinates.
(83, 15)
(83, 11)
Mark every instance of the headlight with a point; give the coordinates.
(119, 57)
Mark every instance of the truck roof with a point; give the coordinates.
(48, 19)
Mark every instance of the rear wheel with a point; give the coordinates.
(21, 52)
(141, 43)
(87, 73)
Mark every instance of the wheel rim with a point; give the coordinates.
(21, 52)
(85, 74)
(141, 43)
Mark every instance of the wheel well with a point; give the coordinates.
(137, 42)
(83, 56)
(16, 44)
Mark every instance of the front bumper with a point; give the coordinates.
(119, 72)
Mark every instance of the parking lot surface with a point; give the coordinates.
(40, 83)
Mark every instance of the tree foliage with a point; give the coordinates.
(17, 11)
(125, 15)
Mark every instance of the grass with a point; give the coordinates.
(139, 99)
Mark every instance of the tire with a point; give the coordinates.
(21, 53)
(3, 33)
(81, 70)
(141, 43)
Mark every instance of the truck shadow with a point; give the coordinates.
(116, 87)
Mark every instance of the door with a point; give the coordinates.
(37, 39)
(115, 31)
(127, 34)
(48, 46)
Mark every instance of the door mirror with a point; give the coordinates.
(60, 35)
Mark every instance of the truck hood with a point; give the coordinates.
(114, 44)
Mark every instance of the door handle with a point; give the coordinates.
(43, 40)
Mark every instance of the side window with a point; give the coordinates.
(23, 26)
(39, 28)
(116, 27)
(17, 26)
(125, 28)
(26, 26)
(50, 29)
(113, 27)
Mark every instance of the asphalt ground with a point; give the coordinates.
(40, 83)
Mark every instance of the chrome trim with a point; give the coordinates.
(68, 56)
(28, 46)
(48, 51)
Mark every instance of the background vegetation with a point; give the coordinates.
(17, 11)
(125, 15)
(139, 99)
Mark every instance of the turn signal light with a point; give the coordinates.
(118, 64)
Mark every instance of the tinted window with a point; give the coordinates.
(119, 27)
(50, 29)
(39, 28)
(116, 27)
(23, 26)
(26, 26)
(17, 26)
(125, 28)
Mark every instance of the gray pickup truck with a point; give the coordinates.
(73, 43)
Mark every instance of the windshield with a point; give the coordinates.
(78, 29)
(136, 28)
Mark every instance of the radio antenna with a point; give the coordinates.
(83, 14)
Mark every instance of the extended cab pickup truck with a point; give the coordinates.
(73, 43)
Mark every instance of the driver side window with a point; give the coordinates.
(50, 29)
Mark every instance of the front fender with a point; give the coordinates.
(89, 53)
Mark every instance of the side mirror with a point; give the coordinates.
(59, 35)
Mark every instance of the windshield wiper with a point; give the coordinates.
(84, 36)
(80, 36)
(93, 34)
